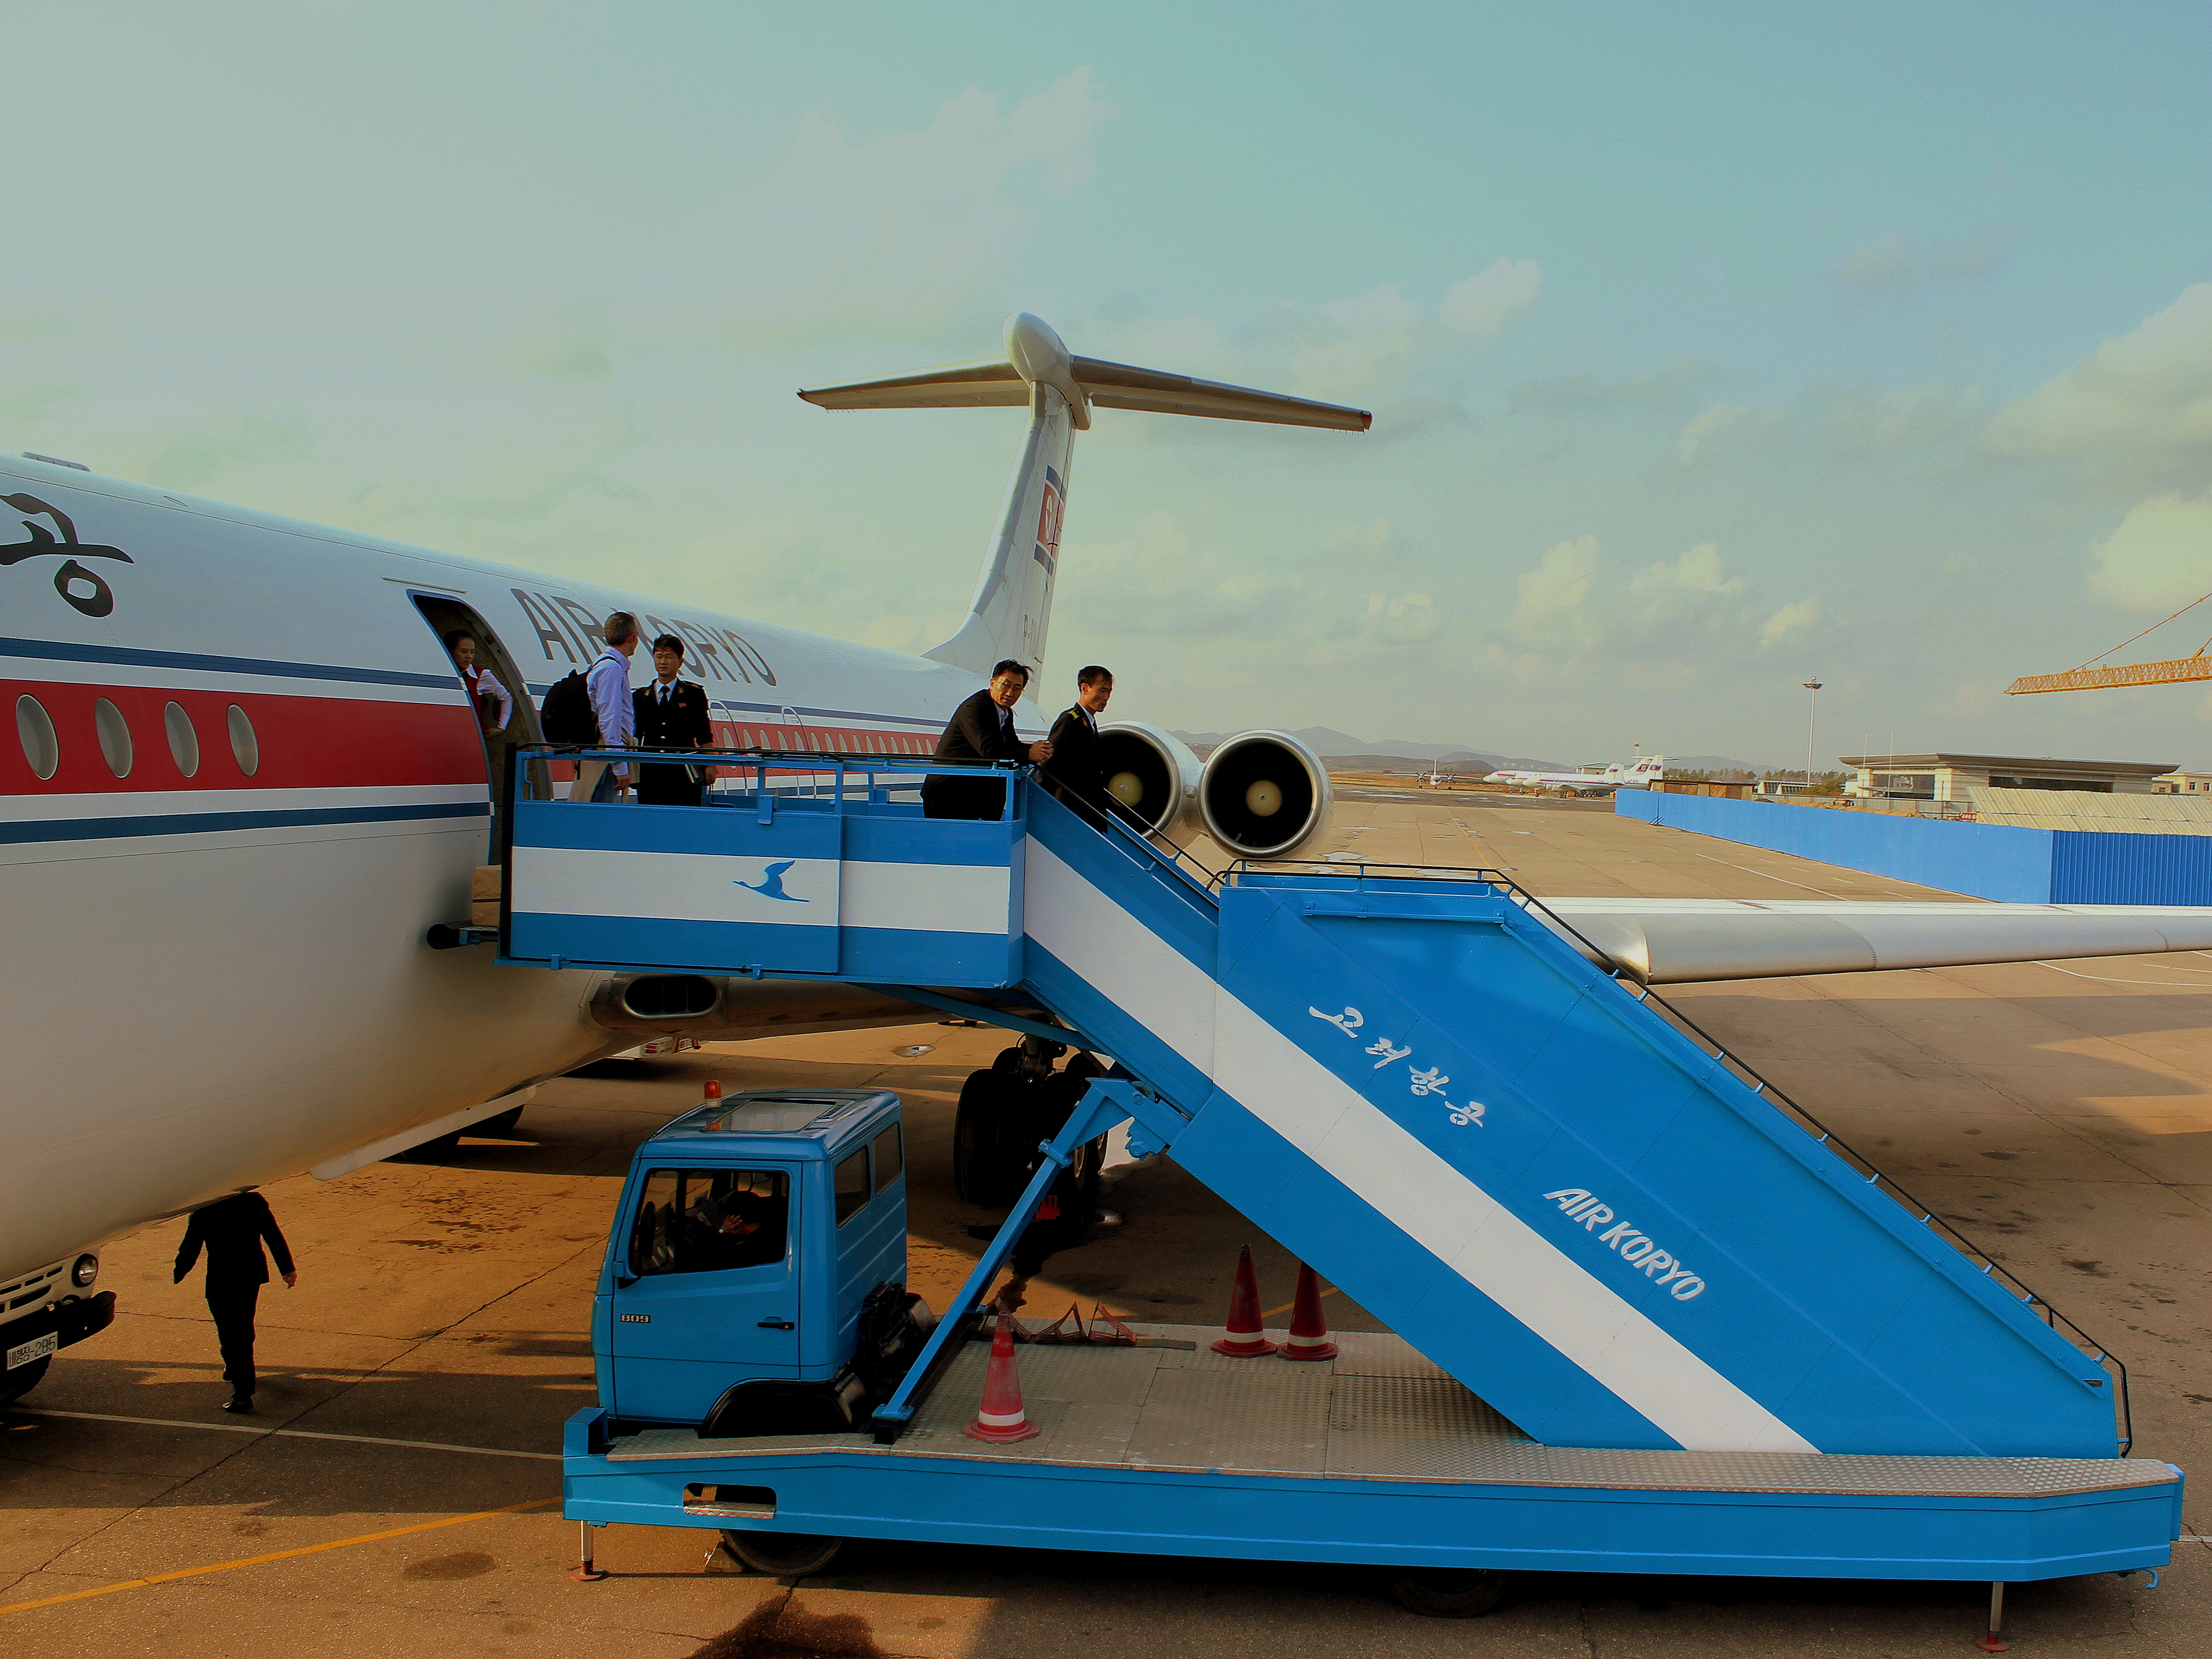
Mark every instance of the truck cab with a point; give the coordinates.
(751, 1236)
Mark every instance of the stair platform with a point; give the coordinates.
(1162, 1441)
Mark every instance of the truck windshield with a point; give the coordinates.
(701, 1221)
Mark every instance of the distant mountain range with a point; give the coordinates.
(1342, 750)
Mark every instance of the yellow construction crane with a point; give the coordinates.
(2174, 671)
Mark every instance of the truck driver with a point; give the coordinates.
(733, 1232)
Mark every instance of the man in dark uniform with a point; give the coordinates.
(232, 1229)
(1076, 773)
(980, 731)
(672, 714)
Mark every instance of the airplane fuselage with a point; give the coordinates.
(265, 786)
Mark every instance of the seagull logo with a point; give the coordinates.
(770, 884)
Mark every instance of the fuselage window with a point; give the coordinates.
(183, 741)
(114, 734)
(34, 729)
(243, 744)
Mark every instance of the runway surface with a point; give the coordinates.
(396, 1493)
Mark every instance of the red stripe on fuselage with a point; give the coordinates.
(305, 743)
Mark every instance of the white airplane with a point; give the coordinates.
(247, 787)
(1639, 775)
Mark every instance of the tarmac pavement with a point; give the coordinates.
(396, 1490)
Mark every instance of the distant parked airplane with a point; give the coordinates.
(1638, 775)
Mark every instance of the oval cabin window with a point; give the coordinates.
(183, 741)
(34, 729)
(243, 744)
(114, 734)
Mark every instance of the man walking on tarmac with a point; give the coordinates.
(232, 1229)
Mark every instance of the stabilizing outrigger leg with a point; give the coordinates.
(1106, 1104)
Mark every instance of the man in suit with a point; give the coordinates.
(672, 714)
(1076, 773)
(232, 1229)
(981, 731)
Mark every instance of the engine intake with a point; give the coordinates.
(1264, 795)
(1151, 772)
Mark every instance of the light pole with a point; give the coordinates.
(1812, 727)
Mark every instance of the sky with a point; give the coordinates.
(1711, 348)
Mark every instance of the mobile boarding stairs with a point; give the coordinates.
(1650, 1322)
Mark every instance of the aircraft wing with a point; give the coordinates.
(1681, 941)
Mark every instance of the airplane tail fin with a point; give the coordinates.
(1012, 608)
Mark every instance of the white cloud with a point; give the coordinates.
(1891, 267)
(1482, 304)
(1721, 427)
(1699, 570)
(895, 234)
(2159, 558)
(1383, 350)
(1558, 585)
(1694, 587)
(1360, 346)
(1796, 618)
(1867, 423)
(2138, 409)
(1669, 386)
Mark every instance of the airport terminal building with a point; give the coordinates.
(1955, 777)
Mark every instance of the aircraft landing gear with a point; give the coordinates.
(1006, 1111)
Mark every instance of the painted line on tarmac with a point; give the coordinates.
(1269, 1313)
(292, 1434)
(277, 1555)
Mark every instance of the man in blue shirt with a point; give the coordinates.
(607, 683)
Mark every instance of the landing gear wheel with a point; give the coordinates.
(14, 1384)
(988, 1153)
(499, 1124)
(782, 1554)
(1442, 1594)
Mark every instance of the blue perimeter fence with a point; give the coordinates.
(1988, 860)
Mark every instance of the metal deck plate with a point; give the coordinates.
(1378, 1411)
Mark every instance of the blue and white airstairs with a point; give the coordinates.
(1647, 1319)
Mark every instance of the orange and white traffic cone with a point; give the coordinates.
(1000, 1418)
(1247, 1339)
(1309, 1331)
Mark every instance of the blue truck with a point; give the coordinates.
(1647, 1317)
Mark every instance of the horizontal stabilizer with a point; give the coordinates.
(989, 385)
(1682, 941)
(1119, 385)
(1001, 382)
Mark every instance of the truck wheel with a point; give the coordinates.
(1445, 1595)
(14, 1384)
(987, 1170)
(782, 1554)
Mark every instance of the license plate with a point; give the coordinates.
(36, 1348)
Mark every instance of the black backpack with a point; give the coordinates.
(566, 715)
